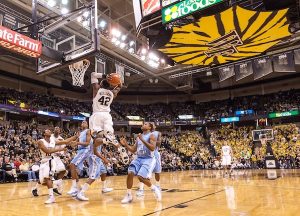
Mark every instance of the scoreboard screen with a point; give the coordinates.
(150, 6)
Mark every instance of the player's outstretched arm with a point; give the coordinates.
(48, 151)
(95, 82)
(158, 142)
(151, 145)
(67, 141)
(130, 148)
(98, 154)
(116, 90)
(88, 139)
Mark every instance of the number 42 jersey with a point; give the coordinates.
(102, 101)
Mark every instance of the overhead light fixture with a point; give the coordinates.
(122, 45)
(86, 14)
(131, 43)
(153, 56)
(150, 62)
(151, 80)
(51, 3)
(64, 10)
(85, 23)
(163, 61)
(117, 42)
(144, 51)
(113, 39)
(131, 50)
(153, 64)
(64, 2)
(79, 19)
(123, 38)
(102, 24)
(156, 80)
(116, 32)
(143, 57)
(127, 74)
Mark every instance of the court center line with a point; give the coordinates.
(151, 213)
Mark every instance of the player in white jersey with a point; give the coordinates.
(157, 168)
(101, 120)
(103, 96)
(60, 170)
(226, 156)
(60, 167)
(48, 165)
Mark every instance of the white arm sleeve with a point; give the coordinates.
(95, 76)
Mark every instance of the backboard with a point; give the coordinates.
(257, 134)
(68, 31)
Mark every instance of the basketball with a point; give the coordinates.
(114, 79)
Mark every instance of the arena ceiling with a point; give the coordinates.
(171, 79)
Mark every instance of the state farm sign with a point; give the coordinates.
(19, 43)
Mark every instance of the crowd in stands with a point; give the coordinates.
(277, 102)
(285, 146)
(262, 104)
(240, 140)
(184, 150)
(43, 102)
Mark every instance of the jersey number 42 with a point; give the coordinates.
(104, 100)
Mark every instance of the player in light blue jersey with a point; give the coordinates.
(97, 168)
(83, 152)
(157, 168)
(144, 164)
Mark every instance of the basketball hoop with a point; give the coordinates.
(78, 70)
(263, 139)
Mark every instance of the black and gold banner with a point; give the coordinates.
(226, 72)
(262, 67)
(100, 66)
(243, 70)
(284, 62)
(231, 35)
(297, 56)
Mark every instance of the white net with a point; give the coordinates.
(78, 70)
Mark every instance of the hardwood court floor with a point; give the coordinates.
(185, 193)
